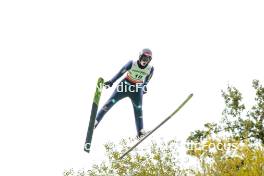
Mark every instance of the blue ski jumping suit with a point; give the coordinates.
(132, 86)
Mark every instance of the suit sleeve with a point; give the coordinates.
(149, 76)
(124, 69)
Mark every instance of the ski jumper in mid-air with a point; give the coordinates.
(133, 86)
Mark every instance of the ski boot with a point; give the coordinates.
(141, 134)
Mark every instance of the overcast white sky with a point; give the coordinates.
(53, 51)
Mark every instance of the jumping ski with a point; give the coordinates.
(97, 95)
(152, 131)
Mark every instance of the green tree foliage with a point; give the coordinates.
(228, 157)
(237, 122)
(157, 159)
(235, 145)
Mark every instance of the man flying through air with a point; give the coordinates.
(133, 86)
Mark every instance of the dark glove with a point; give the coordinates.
(108, 84)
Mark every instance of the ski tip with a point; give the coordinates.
(190, 96)
(121, 157)
(100, 79)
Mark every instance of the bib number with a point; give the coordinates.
(138, 76)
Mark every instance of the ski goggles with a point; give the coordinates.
(145, 58)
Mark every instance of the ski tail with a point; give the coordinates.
(97, 95)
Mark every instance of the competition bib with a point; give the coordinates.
(136, 74)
